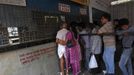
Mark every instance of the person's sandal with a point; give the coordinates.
(60, 73)
(67, 72)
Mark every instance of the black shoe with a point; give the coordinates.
(109, 74)
(95, 71)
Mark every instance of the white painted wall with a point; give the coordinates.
(45, 61)
(14, 2)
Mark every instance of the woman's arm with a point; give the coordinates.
(61, 42)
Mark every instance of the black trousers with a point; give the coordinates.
(99, 62)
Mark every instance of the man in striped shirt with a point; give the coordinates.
(109, 44)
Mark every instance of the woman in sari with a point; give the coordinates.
(73, 54)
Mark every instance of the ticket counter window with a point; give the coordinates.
(13, 35)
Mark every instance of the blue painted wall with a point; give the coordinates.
(51, 6)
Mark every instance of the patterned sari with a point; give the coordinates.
(73, 55)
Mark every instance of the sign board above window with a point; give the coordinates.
(82, 2)
(83, 11)
(64, 7)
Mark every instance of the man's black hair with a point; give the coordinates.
(92, 25)
(123, 21)
(107, 16)
(73, 24)
(82, 25)
(116, 20)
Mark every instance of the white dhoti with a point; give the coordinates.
(61, 50)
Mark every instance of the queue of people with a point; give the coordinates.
(97, 40)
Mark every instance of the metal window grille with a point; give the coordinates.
(21, 25)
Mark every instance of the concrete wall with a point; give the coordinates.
(14, 2)
(38, 60)
(125, 10)
(103, 5)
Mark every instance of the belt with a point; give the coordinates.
(126, 47)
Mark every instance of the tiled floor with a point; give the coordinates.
(118, 72)
(87, 73)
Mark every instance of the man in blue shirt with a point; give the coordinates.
(127, 40)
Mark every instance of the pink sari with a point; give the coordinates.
(73, 55)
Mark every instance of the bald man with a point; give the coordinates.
(60, 40)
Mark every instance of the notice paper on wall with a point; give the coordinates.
(64, 7)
